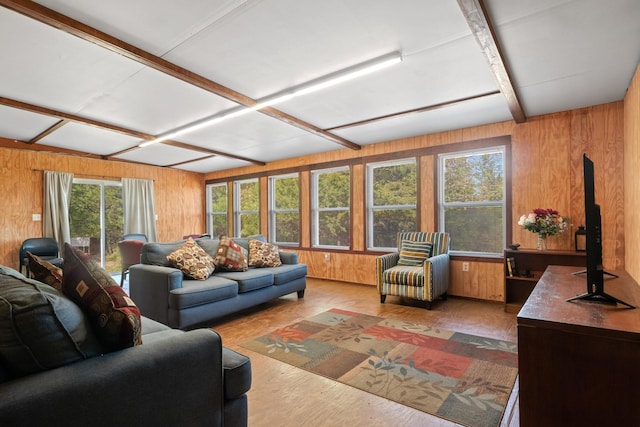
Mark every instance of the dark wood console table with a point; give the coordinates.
(579, 362)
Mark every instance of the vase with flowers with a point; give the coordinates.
(545, 223)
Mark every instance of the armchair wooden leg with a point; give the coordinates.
(382, 298)
(301, 294)
(444, 296)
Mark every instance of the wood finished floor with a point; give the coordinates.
(285, 396)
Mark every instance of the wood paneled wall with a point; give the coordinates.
(546, 154)
(179, 195)
(546, 172)
(632, 177)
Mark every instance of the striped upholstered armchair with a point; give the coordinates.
(419, 270)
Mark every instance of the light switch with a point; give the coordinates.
(36, 217)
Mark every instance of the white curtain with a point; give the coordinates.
(139, 207)
(57, 196)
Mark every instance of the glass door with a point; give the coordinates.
(96, 220)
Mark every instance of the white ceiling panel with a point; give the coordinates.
(567, 49)
(443, 73)
(156, 26)
(212, 164)
(482, 111)
(80, 137)
(239, 133)
(51, 68)
(22, 125)
(275, 45)
(161, 155)
(153, 102)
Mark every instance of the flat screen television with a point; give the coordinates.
(595, 272)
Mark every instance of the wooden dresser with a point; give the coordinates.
(579, 362)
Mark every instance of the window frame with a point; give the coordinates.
(315, 210)
(369, 197)
(441, 205)
(273, 211)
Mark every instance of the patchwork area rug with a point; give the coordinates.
(464, 378)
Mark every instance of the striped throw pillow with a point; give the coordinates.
(414, 253)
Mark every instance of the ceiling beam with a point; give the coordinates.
(477, 18)
(66, 118)
(25, 145)
(57, 20)
(414, 111)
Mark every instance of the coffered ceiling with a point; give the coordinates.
(98, 78)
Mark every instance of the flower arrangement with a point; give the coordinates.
(543, 222)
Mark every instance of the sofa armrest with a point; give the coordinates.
(172, 381)
(384, 262)
(288, 257)
(436, 272)
(149, 287)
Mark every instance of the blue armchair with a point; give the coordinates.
(418, 270)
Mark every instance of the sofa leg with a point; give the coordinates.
(382, 298)
(301, 294)
(427, 305)
(444, 296)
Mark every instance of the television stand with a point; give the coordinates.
(601, 297)
(615, 276)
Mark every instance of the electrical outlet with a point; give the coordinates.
(327, 257)
(36, 217)
(465, 266)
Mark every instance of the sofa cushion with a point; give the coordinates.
(155, 253)
(192, 260)
(414, 253)
(287, 272)
(263, 254)
(209, 245)
(231, 256)
(40, 328)
(249, 280)
(195, 292)
(45, 272)
(237, 373)
(115, 317)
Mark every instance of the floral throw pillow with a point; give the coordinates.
(231, 256)
(45, 272)
(114, 316)
(192, 260)
(262, 254)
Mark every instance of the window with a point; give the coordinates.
(331, 196)
(284, 209)
(391, 202)
(96, 220)
(217, 209)
(246, 207)
(472, 203)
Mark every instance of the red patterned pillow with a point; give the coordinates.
(45, 272)
(231, 256)
(114, 316)
(263, 254)
(192, 260)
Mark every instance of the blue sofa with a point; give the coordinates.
(175, 378)
(163, 293)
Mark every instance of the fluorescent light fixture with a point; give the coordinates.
(303, 89)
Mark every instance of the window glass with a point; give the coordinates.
(217, 207)
(331, 195)
(247, 202)
(284, 212)
(472, 200)
(391, 202)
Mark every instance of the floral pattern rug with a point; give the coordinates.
(460, 377)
